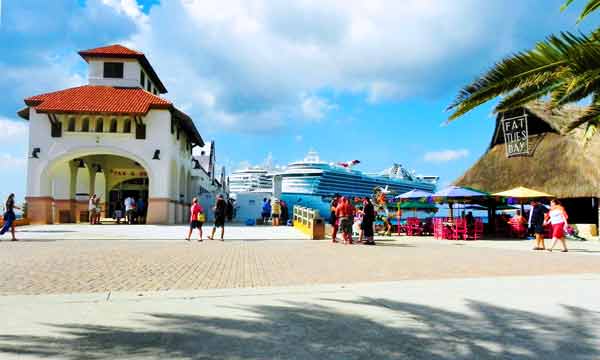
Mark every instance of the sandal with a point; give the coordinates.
(564, 251)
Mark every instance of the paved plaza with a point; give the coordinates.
(154, 258)
(549, 317)
(79, 291)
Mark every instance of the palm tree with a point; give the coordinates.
(565, 68)
(591, 6)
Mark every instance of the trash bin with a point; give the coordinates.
(318, 229)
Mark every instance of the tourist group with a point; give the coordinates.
(222, 211)
(347, 218)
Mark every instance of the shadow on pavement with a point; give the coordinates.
(307, 331)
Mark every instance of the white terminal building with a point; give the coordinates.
(115, 137)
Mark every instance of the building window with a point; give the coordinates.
(155, 91)
(149, 86)
(85, 125)
(113, 70)
(142, 78)
(71, 124)
(127, 126)
(113, 125)
(140, 131)
(99, 125)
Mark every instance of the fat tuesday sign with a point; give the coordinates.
(516, 135)
(128, 173)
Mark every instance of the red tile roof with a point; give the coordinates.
(111, 50)
(98, 99)
(120, 51)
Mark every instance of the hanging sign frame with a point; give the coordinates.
(516, 135)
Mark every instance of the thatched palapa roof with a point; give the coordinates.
(559, 163)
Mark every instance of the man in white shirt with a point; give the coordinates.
(129, 212)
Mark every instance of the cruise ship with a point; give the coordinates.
(312, 182)
(249, 180)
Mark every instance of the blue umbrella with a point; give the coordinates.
(414, 194)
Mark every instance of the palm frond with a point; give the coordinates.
(524, 68)
(591, 7)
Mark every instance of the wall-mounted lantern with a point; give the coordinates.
(156, 155)
(35, 152)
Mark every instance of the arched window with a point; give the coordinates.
(85, 125)
(99, 125)
(127, 126)
(113, 125)
(71, 124)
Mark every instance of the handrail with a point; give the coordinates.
(309, 221)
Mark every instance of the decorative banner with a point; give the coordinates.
(516, 135)
(128, 173)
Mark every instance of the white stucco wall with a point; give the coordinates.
(54, 151)
(131, 74)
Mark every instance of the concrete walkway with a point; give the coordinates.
(151, 232)
(548, 317)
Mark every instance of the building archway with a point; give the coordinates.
(68, 181)
(135, 188)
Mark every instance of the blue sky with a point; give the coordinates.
(349, 79)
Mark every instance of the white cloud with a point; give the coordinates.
(247, 65)
(315, 108)
(445, 155)
(14, 136)
(11, 162)
(13, 130)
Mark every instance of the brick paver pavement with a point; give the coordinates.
(73, 266)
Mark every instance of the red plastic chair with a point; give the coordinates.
(437, 228)
(459, 229)
(518, 230)
(477, 230)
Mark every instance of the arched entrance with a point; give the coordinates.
(69, 181)
(135, 188)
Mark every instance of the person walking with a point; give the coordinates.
(197, 219)
(10, 217)
(129, 204)
(367, 222)
(276, 212)
(536, 223)
(333, 220)
(557, 216)
(219, 209)
(266, 211)
(92, 209)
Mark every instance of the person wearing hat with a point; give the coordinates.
(276, 212)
